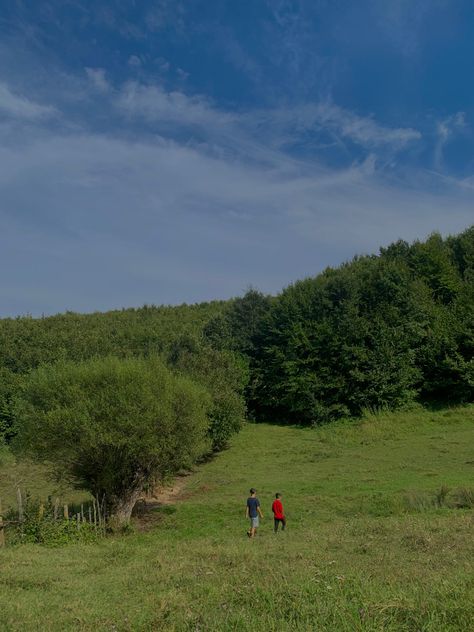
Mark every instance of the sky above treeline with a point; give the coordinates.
(176, 151)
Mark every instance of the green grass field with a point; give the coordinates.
(367, 546)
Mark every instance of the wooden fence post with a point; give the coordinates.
(20, 504)
(41, 511)
(98, 514)
(66, 512)
(2, 531)
(56, 509)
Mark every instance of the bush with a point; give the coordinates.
(111, 426)
(40, 527)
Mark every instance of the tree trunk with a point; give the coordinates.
(121, 509)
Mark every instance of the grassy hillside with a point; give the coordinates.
(373, 542)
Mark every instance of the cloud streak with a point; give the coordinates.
(446, 130)
(276, 127)
(20, 107)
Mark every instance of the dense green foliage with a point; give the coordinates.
(27, 343)
(224, 374)
(112, 426)
(378, 332)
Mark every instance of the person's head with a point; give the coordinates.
(253, 491)
(277, 495)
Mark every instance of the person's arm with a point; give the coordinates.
(259, 510)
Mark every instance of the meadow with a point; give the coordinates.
(379, 537)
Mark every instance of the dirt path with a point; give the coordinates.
(146, 514)
(168, 494)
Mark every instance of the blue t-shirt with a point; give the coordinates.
(252, 503)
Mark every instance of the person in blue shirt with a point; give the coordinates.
(253, 512)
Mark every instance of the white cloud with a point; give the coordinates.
(163, 64)
(275, 128)
(134, 61)
(153, 103)
(445, 131)
(344, 124)
(165, 206)
(98, 79)
(20, 107)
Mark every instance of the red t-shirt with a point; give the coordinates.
(277, 509)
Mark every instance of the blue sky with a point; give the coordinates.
(176, 151)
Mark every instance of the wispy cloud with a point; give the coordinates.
(277, 127)
(98, 79)
(154, 103)
(16, 106)
(184, 219)
(446, 130)
(344, 124)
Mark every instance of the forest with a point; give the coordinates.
(116, 400)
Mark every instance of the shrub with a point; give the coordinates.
(40, 526)
(110, 426)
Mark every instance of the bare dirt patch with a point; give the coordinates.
(146, 512)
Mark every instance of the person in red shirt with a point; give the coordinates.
(278, 513)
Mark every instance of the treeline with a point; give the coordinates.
(379, 332)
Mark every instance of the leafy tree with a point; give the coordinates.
(239, 328)
(339, 343)
(111, 426)
(10, 384)
(224, 374)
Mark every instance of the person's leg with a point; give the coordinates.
(283, 524)
(275, 525)
(253, 527)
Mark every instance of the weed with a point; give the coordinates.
(41, 526)
(464, 498)
(441, 496)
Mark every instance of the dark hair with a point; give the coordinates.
(277, 495)
(252, 490)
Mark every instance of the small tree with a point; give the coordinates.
(111, 426)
